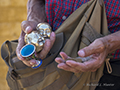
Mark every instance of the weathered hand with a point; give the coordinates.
(98, 50)
(62, 63)
(27, 27)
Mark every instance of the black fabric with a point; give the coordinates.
(115, 64)
(109, 82)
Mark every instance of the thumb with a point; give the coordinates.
(20, 45)
(28, 26)
(96, 47)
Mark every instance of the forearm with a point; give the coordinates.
(36, 11)
(112, 41)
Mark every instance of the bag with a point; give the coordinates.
(80, 29)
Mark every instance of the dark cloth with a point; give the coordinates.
(109, 82)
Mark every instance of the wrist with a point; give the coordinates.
(36, 11)
(112, 41)
(106, 43)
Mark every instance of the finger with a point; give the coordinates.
(64, 55)
(93, 70)
(67, 68)
(52, 38)
(21, 43)
(59, 60)
(96, 47)
(30, 62)
(84, 67)
(47, 46)
(28, 26)
(75, 65)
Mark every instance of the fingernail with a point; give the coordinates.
(52, 34)
(20, 57)
(59, 66)
(28, 29)
(69, 62)
(32, 62)
(81, 53)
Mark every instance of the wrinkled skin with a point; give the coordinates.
(99, 50)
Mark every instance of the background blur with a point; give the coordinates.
(12, 13)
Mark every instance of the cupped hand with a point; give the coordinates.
(98, 50)
(27, 27)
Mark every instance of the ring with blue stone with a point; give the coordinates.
(39, 63)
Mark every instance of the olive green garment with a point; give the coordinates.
(80, 29)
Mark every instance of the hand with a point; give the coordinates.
(27, 27)
(98, 50)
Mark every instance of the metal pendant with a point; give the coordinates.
(39, 36)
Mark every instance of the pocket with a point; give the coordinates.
(12, 82)
(90, 33)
